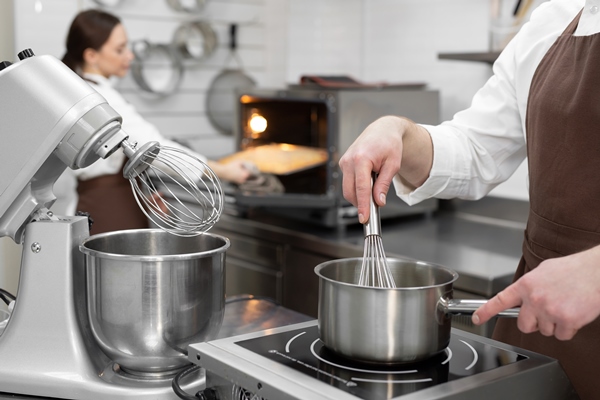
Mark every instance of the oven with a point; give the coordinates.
(298, 135)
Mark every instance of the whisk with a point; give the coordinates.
(176, 190)
(374, 270)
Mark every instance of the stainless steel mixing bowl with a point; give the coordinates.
(150, 294)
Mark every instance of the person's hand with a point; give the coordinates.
(557, 298)
(384, 147)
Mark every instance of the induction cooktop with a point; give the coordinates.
(292, 363)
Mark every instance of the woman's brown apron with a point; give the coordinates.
(111, 205)
(563, 148)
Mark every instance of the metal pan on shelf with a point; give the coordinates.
(157, 68)
(195, 40)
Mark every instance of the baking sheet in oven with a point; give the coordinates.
(281, 158)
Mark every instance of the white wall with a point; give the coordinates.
(397, 41)
(280, 40)
(10, 253)
(6, 30)
(325, 38)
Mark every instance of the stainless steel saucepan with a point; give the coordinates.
(408, 323)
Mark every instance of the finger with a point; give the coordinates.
(364, 192)
(348, 187)
(564, 333)
(527, 322)
(507, 298)
(546, 328)
(382, 185)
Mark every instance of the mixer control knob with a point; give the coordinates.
(25, 54)
(4, 64)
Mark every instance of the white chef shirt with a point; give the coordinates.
(484, 144)
(138, 129)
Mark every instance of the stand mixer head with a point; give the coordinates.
(55, 120)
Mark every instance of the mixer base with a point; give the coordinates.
(47, 349)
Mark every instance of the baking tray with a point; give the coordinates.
(281, 158)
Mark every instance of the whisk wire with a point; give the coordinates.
(184, 211)
(374, 270)
(178, 174)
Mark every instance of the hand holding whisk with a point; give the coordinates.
(374, 270)
(173, 170)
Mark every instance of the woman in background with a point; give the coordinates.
(97, 49)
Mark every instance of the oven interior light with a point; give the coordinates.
(257, 123)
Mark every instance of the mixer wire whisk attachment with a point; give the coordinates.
(177, 191)
(374, 271)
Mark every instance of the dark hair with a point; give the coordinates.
(89, 29)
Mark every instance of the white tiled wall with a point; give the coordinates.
(324, 38)
(396, 41)
(181, 115)
(280, 40)
(10, 253)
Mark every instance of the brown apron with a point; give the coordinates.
(111, 205)
(563, 149)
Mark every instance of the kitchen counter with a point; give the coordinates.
(273, 252)
(480, 240)
(243, 314)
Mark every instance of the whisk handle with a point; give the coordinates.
(373, 225)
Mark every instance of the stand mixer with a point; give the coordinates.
(51, 119)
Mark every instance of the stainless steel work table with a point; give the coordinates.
(480, 240)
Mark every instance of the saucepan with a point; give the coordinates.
(379, 325)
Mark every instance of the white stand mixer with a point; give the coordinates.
(50, 119)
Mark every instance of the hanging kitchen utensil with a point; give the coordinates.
(157, 68)
(221, 96)
(195, 40)
(189, 6)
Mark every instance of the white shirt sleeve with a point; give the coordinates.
(483, 145)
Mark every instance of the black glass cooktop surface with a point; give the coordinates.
(303, 351)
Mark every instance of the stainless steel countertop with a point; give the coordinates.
(481, 240)
(243, 314)
(247, 313)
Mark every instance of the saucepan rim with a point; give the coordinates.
(451, 272)
(142, 257)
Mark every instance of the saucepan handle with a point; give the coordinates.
(469, 306)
